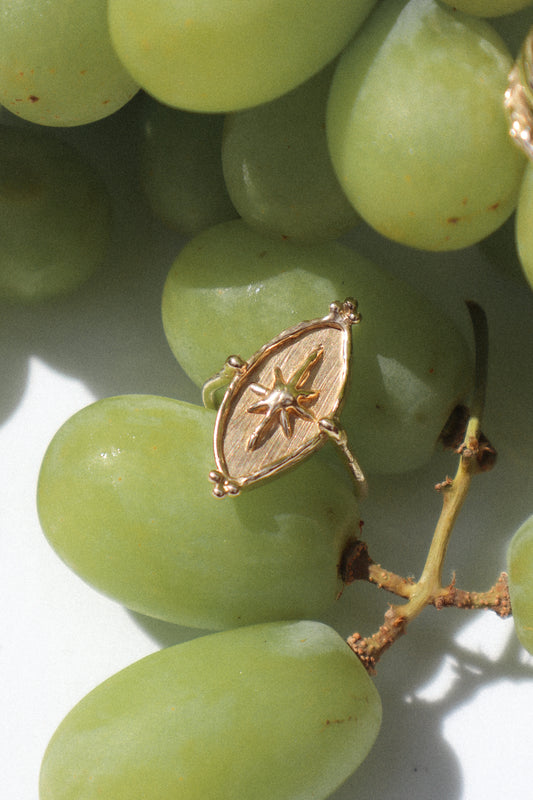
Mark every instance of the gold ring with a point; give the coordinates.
(283, 404)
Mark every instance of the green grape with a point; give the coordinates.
(524, 224)
(278, 170)
(520, 569)
(181, 167)
(125, 500)
(218, 55)
(282, 710)
(417, 129)
(487, 8)
(57, 64)
(410, 365)
(55, 216)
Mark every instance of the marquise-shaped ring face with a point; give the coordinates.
(270, 417)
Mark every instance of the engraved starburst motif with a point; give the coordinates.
(283, 400)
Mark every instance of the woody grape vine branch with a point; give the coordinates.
(475, 455)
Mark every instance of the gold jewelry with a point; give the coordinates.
(518, 99)
(283, 404)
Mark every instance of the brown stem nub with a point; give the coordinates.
(355, 562)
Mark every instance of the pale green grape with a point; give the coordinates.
(488, 8)
(410, 365)
(125, 500)
(55, 216)
(181, 167)
(278, 170)
(417, 129)
(218, 55)
(520, 569)
(282, 710)
(57, 64)
(524, 224)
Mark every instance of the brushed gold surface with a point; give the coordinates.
(326, 380)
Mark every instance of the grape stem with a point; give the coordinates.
(428, 590)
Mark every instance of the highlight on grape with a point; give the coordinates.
(264, 135)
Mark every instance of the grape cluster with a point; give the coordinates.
(264, 134)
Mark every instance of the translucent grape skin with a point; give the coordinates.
(416, 126)
(282, 710)
(278, 170)
(520, 570)
(488, 8)
(524, 224)
(55, 216)
(410, 366)
(124, 499)
(181, 167)
(218, 55)
(57, 64)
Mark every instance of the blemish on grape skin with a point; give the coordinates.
(33, 99)
(338, 721)
(453, 220)
(493, 207)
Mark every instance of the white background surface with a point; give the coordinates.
(457, 690)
